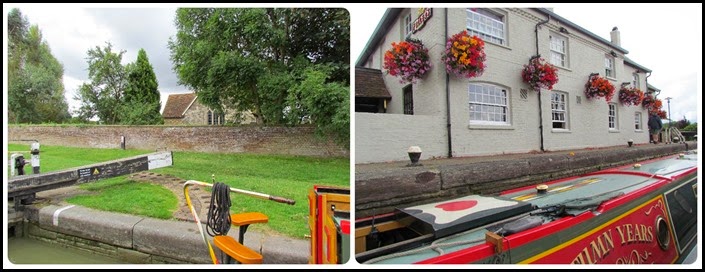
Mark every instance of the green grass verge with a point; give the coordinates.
(285, 176)
(126, 196)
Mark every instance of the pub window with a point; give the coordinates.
(489, 104)
(559, 110)
(408, 100)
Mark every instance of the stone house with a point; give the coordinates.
(184, 109)
(446, 115)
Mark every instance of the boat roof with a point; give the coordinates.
(462, 222)
(463, 213)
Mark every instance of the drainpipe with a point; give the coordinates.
(450, 145)
(647, 84)
(536, 30)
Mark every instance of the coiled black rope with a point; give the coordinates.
(218, 222)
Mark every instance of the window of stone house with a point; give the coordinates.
(486, 24)
(637, 121)
(489, 104)
(559, 50)
(210, 117)
(559, 110)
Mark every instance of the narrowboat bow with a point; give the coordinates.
(639, 213)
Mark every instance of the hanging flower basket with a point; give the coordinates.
(464, 55)
(630, 96)
(598, 86)
(539, 75)
(407, 60)
(648, 102)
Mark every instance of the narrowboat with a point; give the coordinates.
(641, 213)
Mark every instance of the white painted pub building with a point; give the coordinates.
(496, 112)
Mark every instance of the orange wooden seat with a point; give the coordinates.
(237, 251)
(242, 219)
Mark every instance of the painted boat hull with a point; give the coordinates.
(651, 219)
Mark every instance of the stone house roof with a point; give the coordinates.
(177, 104)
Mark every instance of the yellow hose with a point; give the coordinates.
(198, 221)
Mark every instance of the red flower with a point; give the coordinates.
(653, 105)
(599, 86)
(464, 55)
(630, 96)
(408, 60)
(648, 102)
(539, 75)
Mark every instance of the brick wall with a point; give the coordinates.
(261, 140)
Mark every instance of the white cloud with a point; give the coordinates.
(72, 29)
(71, 86)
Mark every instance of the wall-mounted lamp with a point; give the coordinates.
(563, 30)
(613, 53)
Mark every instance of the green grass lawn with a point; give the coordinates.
(278, 175)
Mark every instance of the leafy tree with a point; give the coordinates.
(680, 124)
(102, 96)
(35, 87)
(17, 28)
(252, 59)
(323, 35)
(141, 104)
(691, 127)
(326, 103)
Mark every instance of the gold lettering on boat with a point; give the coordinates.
(635, 233)
(597, 250)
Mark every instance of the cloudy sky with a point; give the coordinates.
(666, 38)
(72, 30)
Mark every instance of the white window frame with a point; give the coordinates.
(559, 50)
(635, 80)
(487, 103)
(609, 67)
(408, 26)
(480, 22)
(612, 123)
(559, 109)
(637, 121)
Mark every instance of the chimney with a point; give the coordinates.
(614, 35)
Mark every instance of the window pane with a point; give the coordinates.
(488, 104)
(486, 25)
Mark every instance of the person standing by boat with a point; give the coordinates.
(655, 125)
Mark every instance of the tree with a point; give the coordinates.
(326, 103)
(141, 104)
(102, 96)
(251, 59)
(691, 127)
(681, 124)
(35, 87)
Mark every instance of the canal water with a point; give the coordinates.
(23, 250)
